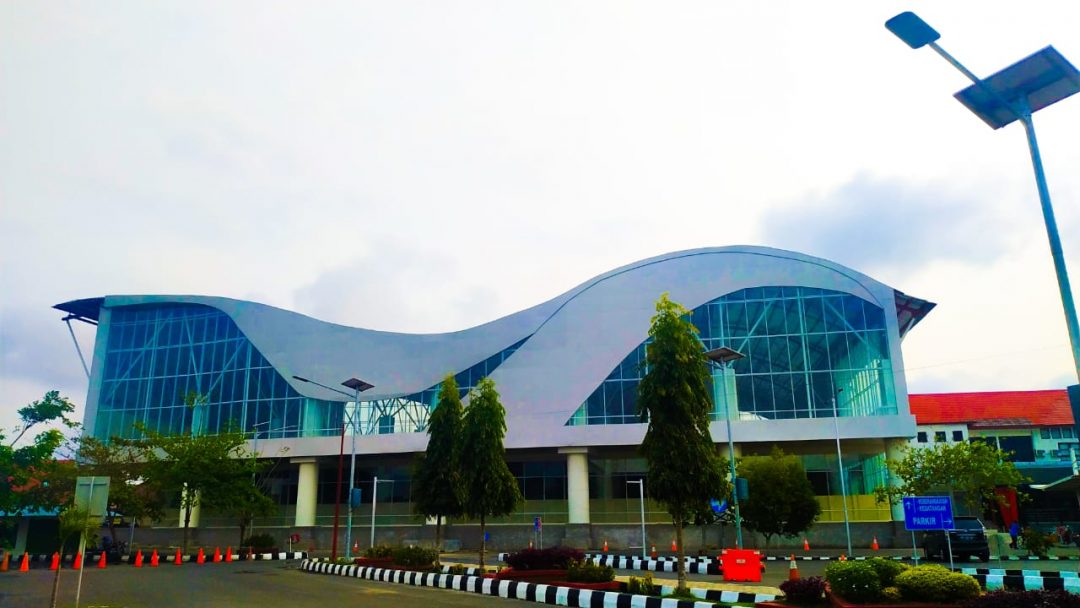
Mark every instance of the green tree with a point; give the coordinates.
(781, 501)
(438, 487)
(121, 461)
(32, 476)
(74, 522)
(490, 488)
(971, 469)
(685, 469)
(215, 471)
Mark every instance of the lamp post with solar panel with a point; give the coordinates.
(1012, 94)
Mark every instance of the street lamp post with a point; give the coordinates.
(374, 493)
(358, 386)
(641, 486)
(723, 357)
(840, 467)
(1012, 94)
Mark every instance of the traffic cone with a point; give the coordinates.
(5, 562)
(356, 547)
(654, 551)
(843, 557)
(874, 545)
(605, 545)
(805, 544)
(201, 557)
(25, 566)
(179, 558)
(154, 559)
(78, 562)
(793, 569)
(673, 547)
(217, 555)
(101, 561)
(55, 564)
(530, 544)
(138, 559)
(228, 554)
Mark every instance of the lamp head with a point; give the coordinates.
(908, 27)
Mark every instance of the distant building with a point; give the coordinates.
(817, 338)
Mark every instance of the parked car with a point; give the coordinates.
(968, 538)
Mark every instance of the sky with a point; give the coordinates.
(430, 166)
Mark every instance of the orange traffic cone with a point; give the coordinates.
(843, 557)
(654, 551)
(874, 545)
(673, 547)
(530, 544)
(201, 557)
(154, 559)
(217, 555)
(25, 566)
(228, 554)
(179, 558)
(356, 547)
(805, 544)
(605, 545)
(793, 569)
(78, 562)
(4, 563)
(138, 559)
(101, 561)
(55, 564)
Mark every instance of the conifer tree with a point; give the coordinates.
(438, 486)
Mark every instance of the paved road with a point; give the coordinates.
(240, 585)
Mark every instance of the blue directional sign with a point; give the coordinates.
(928, 513)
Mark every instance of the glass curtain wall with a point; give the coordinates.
(803, 347)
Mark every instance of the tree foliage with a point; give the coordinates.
(781, 501)
(685, 469)
(74, 522)
(971, 469)
(490, 488)
(438, 486)
(33, 477)
(129, 491)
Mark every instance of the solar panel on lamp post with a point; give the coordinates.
(1012, 94)
(723, 357)
(357, 385)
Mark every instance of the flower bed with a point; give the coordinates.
(377, 562)
(530, 575)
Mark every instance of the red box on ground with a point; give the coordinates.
(743, 565)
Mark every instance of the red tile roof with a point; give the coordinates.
(1039, 408)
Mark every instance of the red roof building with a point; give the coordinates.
(1006, 409)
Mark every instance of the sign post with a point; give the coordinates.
(92, 495)
(929, 513)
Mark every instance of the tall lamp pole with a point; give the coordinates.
(358, 386)
(723, 357)
(1012, 94)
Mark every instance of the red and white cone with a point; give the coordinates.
(793, 569)
(179, 558)
(805, 544)
(605, 545)
(138, 559)
(654, 552)
(154, 559)
(874, 545)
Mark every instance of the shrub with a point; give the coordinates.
(854, 581)
(808, 590)
(260, 541)
(887, 569)
(1026, 599)
(457, 569)
(640, 586)
(588, 572)
(1035, 541)
(552, 558)
(416, 558)
(891, 594)
(935, 583)
(379, 551)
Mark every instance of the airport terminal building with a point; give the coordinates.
(818, 338)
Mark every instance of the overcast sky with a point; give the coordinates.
(429, 166)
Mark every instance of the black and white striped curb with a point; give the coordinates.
(1034, 558)
(993, 579)
(636, 563)
(547, 594)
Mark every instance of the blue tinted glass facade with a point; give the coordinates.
(155, 355)
(801, 346)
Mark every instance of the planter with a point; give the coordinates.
(839, 602)
(531, 576)
(376, 562)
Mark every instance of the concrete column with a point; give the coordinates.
(194, 521)
(307, 495)
(894, 452)
(577, 482)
